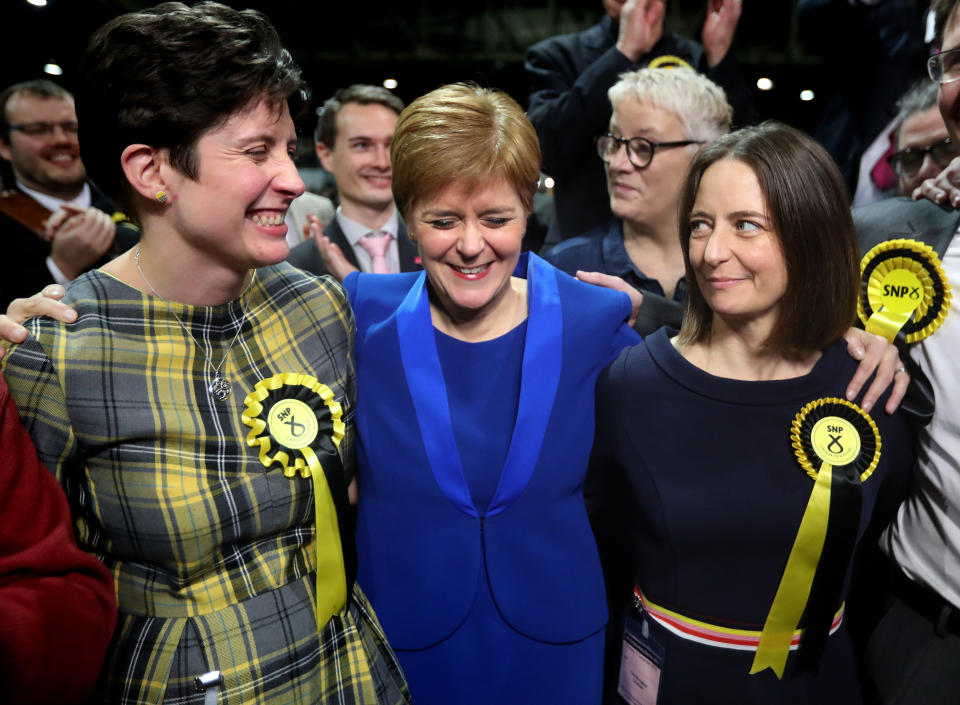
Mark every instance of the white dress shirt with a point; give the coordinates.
(924, 539)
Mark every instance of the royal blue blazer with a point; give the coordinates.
(421, 546)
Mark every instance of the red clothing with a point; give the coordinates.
(57, 603)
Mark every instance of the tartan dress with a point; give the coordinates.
(212, 553)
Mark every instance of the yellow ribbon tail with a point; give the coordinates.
(887, 323)
(331, 573)
(794, 588)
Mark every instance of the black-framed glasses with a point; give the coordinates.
(945, 66)
(640, 150)
(36, 129)
(907, 162)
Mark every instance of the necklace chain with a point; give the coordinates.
(220, 386)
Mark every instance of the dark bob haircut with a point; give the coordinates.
(807, 203)
(167, 75)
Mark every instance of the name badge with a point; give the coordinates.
(641, 663)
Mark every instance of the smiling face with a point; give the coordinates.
(469, 242)
(360, 160)
(48, 163)
(735, 252)
(233, 212)
(647, 198)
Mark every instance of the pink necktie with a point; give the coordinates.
(376, 243)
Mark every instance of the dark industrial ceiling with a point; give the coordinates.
(424, 43)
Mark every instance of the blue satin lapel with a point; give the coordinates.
(540, 376)
(542, 359)
(421, 365)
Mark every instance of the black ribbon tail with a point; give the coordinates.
(838, 545)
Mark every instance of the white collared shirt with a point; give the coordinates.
(52, 204)
(924, 538)
(353, 231)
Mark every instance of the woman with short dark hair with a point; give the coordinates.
(750, 478)
(198, 410)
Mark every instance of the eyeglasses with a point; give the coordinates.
(945, 66)
(907, 162)
(36, 129)
(640, 150)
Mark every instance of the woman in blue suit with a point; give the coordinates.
(475, 420)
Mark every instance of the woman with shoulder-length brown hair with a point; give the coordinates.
(751, 478)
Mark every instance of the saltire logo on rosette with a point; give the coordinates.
(904, 290)
(838, 445)
(296, 423)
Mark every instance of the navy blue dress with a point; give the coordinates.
(716, 498)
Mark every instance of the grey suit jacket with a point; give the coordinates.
(305, 256)
(905, 218)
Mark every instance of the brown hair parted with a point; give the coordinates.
(462, 133)
(38, 87)
(359, 93)
(808, 205)
(166, 75)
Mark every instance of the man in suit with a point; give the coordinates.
(913, 653)
(353, 137)
(569, 76)
(55, 225)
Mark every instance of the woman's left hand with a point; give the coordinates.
(876, 355)
(617, 284)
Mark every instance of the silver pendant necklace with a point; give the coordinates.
(220, 387)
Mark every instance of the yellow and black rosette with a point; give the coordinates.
(293, 418)
(668, 61)
(904, 289)
(296, 422)
(838, 445)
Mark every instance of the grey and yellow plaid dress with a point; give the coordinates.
(212, 552)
